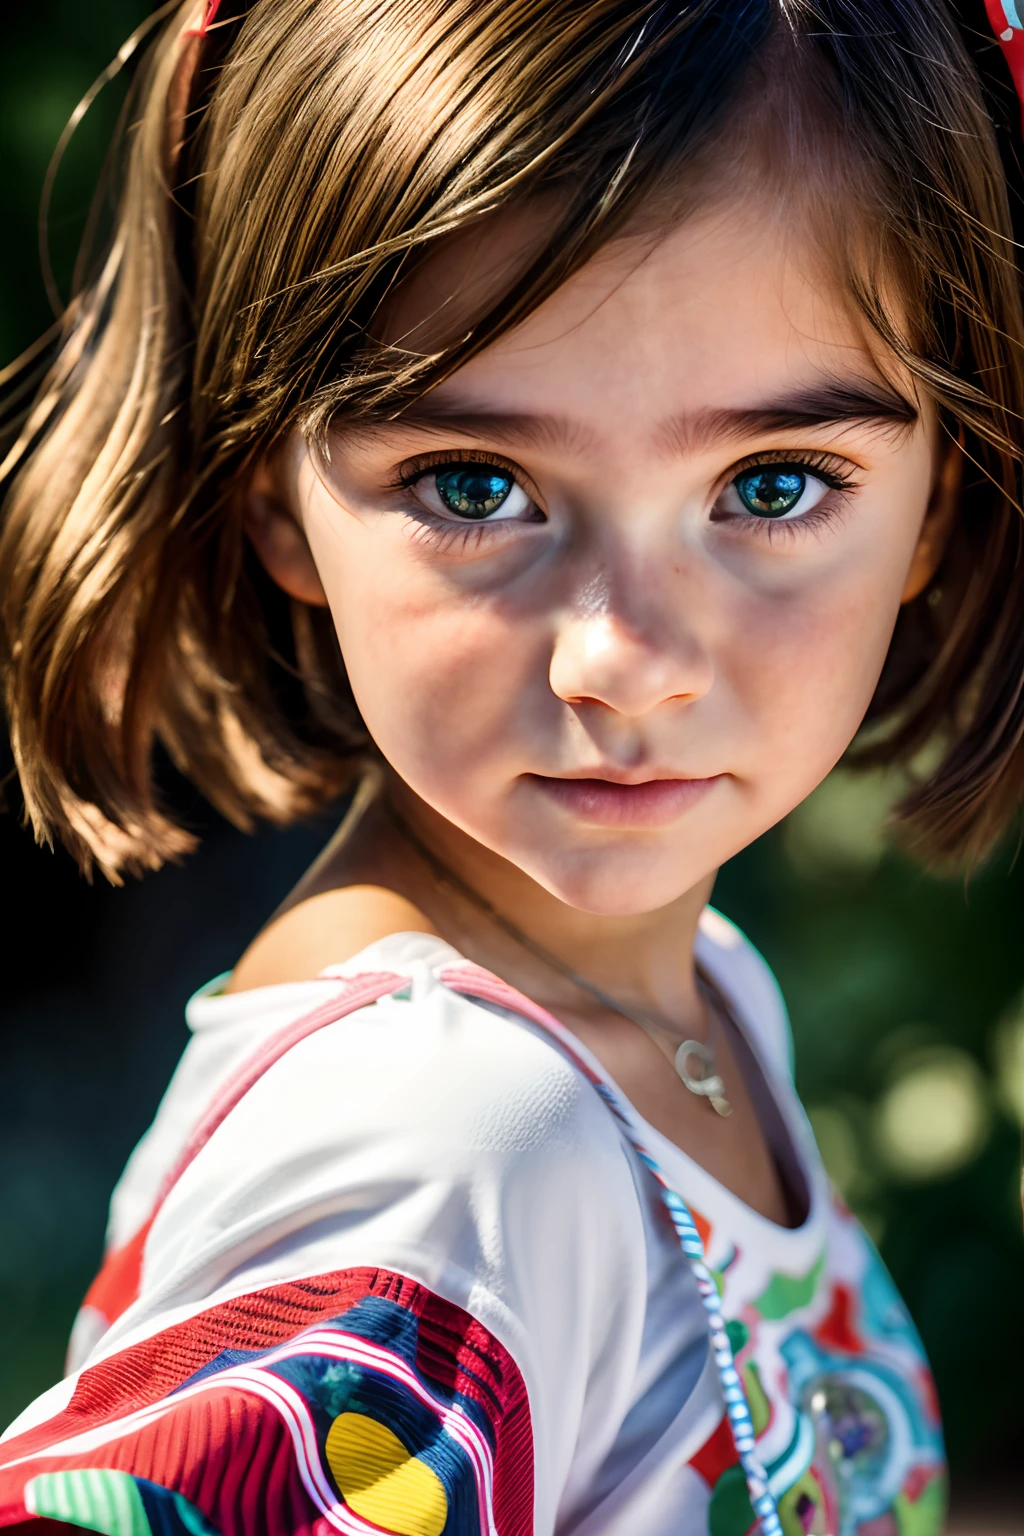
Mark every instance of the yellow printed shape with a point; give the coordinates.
(382, 1480)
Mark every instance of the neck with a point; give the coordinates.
(642, 959)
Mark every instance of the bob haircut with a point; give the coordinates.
(285, 169)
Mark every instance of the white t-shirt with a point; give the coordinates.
(414, 1277)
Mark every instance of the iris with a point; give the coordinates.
(474, 491)
(770, 492)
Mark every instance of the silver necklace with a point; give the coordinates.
(707, 1085)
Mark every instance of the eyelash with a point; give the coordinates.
(832, 470)
(835, 472)
(445, 532)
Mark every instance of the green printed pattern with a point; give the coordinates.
(787, 1293)
(114, 1504)
(93, 1498)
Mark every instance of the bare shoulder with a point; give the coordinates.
(324, 929)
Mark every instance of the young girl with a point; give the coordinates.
(571, 420)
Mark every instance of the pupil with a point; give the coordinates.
(472, 492)
(771, 492)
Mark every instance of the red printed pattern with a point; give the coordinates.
(228, 1450)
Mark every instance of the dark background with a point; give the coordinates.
(907, 993)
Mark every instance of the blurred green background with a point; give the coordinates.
(907, 993)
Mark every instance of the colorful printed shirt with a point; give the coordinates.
(387, 1263)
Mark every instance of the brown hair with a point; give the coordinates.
(325, 146)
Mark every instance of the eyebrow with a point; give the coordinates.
(516, 428)
(829, 404)
(862, 402)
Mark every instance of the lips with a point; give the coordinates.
(605, 803)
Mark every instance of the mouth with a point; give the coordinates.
(600, 802)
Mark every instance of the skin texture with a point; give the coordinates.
(631, 623)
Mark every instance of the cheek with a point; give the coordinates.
(804, 664)
(449, 683)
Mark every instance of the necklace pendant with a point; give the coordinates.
(709, 1085)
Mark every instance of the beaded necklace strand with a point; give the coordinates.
(474, 981)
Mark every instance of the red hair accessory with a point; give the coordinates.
(1007, 25)
(212, 7)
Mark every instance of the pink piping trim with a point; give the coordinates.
(356, 992)
(474, 981)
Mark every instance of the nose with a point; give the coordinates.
(628, 662)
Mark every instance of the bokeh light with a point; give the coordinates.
(1008, 1061)
(935, 1115)
(839, 830)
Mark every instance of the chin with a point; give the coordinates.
(610, 885)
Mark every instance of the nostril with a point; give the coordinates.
(585, 701)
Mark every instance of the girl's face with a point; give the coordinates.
(615, 597)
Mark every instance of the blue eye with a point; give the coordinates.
(474, 490)
(771, 490)
(777, 492)
(475, 493)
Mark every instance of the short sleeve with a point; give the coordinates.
(397, 1289)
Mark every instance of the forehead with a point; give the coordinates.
(727, 308)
